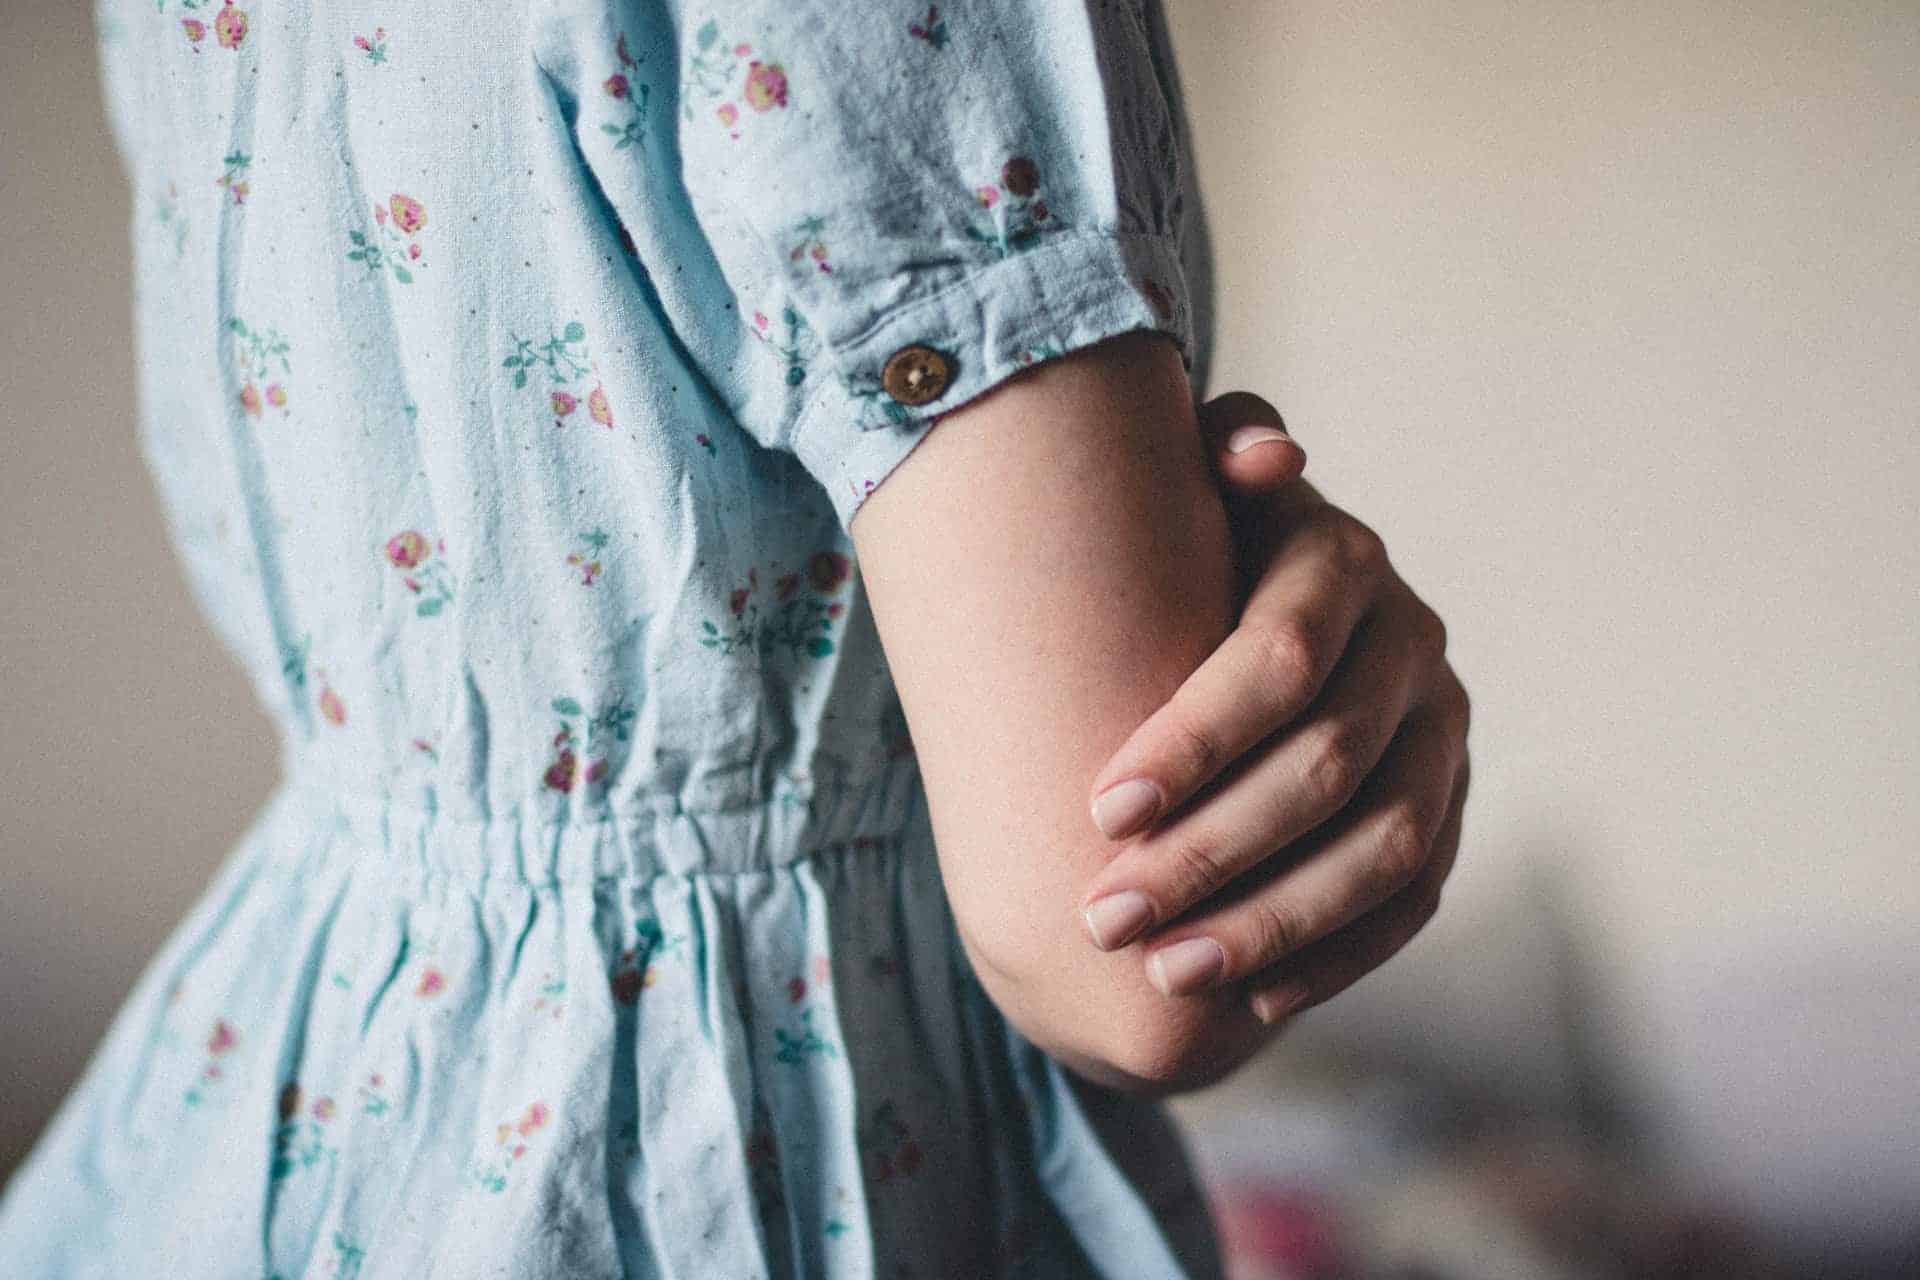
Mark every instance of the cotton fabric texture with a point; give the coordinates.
(511, 375)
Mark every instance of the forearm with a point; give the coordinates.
(1083, 564)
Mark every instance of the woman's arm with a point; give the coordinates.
(1046, 568)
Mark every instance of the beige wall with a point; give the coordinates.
(1603, 313)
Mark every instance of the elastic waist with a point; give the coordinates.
(640, 841)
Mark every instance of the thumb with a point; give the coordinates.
(1251, 447)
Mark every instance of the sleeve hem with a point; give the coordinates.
(1071, 290)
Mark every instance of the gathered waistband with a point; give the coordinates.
(412, 839)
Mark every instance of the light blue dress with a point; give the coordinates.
(511, 373)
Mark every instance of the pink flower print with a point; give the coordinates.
(413, 251)
(533, 1118)
(375, 48)
(332, 707)
(626, 985)
(223, 1037)
(196, 31)
(276, 395)
(827, 570)
(588, 561)
(728, 113)
(559, 774)
(766, 85)
(931, 28)
(233, 175)
(788, 584)
(598, 407)
(563, 404)
(408, 214)
(323, 1109)
(760, 320)
(231, 26)
(989, 196)
(822, 969)
(406, 550)
(810, 246)
(742, 50)
(1020, 176)
(706, 443)
(835, 609)
(250, 399)
(380, 214)
(737, 601)
(432, 982)
(1039, 210)
(796, 989)
(616, 86)
(620, 49)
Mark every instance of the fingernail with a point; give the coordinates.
(1186, 966)
(1121, 809)
(1116, 918)
(1247, 437)
(1278, 1002)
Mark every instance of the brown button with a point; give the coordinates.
(915, 375)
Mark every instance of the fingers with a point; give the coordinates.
(1328, 967)
(1311, 771)
(1252, 449)
(1292, 630)
(1372, 852)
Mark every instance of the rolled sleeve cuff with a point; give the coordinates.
(1069, 290)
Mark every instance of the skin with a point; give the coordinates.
(1073, 584)
(1334, 733)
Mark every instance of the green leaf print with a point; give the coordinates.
(797, 619)
(568, 707)
(398, 222)
(632, 99)
(808, 1043)
(557, 355)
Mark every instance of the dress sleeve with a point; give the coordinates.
(908, 203)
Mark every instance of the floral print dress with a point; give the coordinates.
(511, 375)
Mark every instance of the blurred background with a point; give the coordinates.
(1605, 316)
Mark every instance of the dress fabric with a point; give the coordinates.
(511, 374)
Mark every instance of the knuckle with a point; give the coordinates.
(1276, 929)
(1402, 851)
(1429, 629)
(1291, 653)
(1198, 746)
(1336, 764)
(1455, 704)
(1361, 551)
(1196, 868)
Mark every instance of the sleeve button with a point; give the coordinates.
(915, 375)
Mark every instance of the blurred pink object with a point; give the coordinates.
(1274, 1231)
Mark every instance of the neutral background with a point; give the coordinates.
(1604, 314)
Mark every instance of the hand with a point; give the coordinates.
(1323, 747)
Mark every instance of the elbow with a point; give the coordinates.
(1103, 1020)
(1190, 1044)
